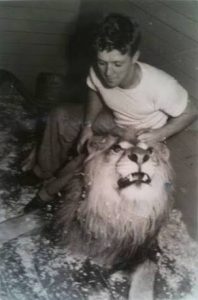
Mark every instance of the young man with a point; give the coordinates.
(132, 94)
(139, 95)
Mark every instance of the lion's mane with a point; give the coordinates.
(106, 220)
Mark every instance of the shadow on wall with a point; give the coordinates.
(52, 89)
(72, 87)
(80, 55)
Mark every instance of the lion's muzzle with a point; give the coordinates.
(137, 157)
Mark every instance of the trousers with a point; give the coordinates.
(61, 133)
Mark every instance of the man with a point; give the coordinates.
(138, 94)
(132, 95)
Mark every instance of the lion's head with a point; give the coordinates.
(123, 196)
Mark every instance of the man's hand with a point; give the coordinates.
(86, 134)
(150, 136)
(173, 126)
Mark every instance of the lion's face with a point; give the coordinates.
(134, 164)
(139, 164)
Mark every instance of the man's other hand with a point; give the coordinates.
(85, 135)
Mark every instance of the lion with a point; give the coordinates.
(114, 205)
(114, 202)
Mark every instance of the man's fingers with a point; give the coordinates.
(142, 131)
(81, 143)
(143, 136)
(79, 147)
(147, 138)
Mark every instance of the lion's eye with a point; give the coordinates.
(116, 148)
(150, 150)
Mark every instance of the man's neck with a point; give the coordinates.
(133, 79)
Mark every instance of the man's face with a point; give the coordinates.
(115, 68)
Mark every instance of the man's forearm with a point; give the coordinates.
(93, 108)
(177, 124)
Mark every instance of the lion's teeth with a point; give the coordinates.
(145, 177)
(130, 178)
(135, 176)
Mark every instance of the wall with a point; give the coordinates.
(34, 36)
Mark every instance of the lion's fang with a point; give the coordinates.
(130, 178)
(145, 177)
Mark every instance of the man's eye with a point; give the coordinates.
(101, 63)
(116, 148)
(118, 65)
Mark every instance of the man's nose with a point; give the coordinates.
(108, 71)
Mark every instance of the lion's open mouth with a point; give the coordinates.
(134, 178)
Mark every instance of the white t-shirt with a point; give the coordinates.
(147, 105)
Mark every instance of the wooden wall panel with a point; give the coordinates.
(171, 32)
(186, 8)
(65, 5)
(34, 36)
(172, 18)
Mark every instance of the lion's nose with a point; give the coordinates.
(133, 157)
(139, 158)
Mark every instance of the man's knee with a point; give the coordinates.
(57, 114)
(68, 113)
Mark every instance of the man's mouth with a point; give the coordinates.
(136, 178)
(110, 80)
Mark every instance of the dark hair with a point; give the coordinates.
(117, 32)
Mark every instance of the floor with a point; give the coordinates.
(184, 156)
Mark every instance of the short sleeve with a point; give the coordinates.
(173, 98)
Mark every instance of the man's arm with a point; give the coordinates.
(94, 106)
(177, 124)
(173, 126)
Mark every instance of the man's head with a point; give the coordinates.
(117, 32)
(116, 50)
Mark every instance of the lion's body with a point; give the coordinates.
(109, 222)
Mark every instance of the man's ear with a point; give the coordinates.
(136, 56)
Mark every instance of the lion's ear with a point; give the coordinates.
(163, 151)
